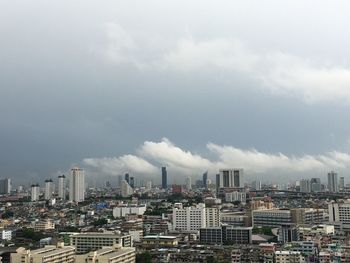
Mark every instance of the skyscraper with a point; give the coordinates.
(127, 178)
(188, 183)
(62, 187)
(332, 181)
(35, 192)
(77, 185)
(126, 189)
(231, 178)
(305, 186)
(341, 183)
(48, 189)
(164, 178)
(205, 179)
(132, 182)
(315, 184)
(5, 186)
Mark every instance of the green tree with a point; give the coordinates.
(144, 257)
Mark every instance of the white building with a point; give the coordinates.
(149, 185)
(332, 182)
(212, 217)
(6, 234)
(5, 186)
(231, 178)
(236, 196)
(189, 219)
(35, 192)
(126, 189)
(77, 185)
(62, 187)
(114, 254)
(48, 189)
(188, 182)
(339, 215)
(122, 211)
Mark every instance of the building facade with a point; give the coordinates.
(77, 185)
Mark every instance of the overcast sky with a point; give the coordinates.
(128, 86)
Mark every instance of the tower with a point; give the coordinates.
(5, 186)
(48, 189)
(35, 192)
(205, 179)
(77, 185)
(188, 183)
(164, 178)
(332, 182)
(62, 187)
(231, 178)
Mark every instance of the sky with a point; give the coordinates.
(130, 86)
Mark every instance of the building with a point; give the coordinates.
(231, 178)
(122, 211)
(271, 217)
(35, 192)
(288, 233)
(149, 185)
(5, 234)
(315, 185)
(89, 241)
(164, 178)
(339, 215)
(126, 189)
(176, 189)
(62, 187)
(189, 219)
(332, 182)
(44, 225)
(341, 183)
(212, 217)
(132, 182)
(188, 183)
(77, 185)
(234, 218)
(160, 241)
(48, 254)
(116, 254)
(5, 186)
(48, 189)
(256, 185)
(127, 178)
(289, 257)
(236, 197)
(227, 235)
(305, 186)
(205, 179)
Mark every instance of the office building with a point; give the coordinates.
(77, 185)
(127, 178)
(132, 182)
(35, 192)
(114, 254)
(5, 186)
(205, 179)
(339, 215)
(236, 197)
(188, 183)
(231, 178)
(271, 217)
(126, 189)
(341, 183)
(88, 241)
(315, 185)
(288, 233)
(189, 219)
(164, 178)
(48, 189)
(305, 186)
(226, 235)
(332, 182)
(124, 210)
(62, 187)
(256, 185)
(149, 185)
(48, 254)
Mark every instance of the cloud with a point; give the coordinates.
(277, 72)
(151, 155)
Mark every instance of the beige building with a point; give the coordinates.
(44, 225)
(48, 254)
(289, 257)
(114, 254)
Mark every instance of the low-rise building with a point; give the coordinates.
(160, 241)
(114, 254)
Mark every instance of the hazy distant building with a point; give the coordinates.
(164, 178)
(149, 185)
(188, 183)
(230, 178)
(315, 185)
(132, 182)
(305, 186)
(77, 185)
(341, 183)
(35, 192)
(48, 189)
(126, 189)
(205, 179)
(332, 182)
(5, 186)
(127, 178)
(62, 187)
(256, 185)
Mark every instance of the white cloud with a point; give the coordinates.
(151, 155)
(279, 73)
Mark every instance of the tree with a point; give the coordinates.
(144, 257)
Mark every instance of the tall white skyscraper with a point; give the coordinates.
(35, 192)
(48, 189)
(77, 185)
(188, 183)
(231, 178)
(333, 182)
(5, 186)
(62, 187)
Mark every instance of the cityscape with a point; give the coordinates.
(186, 131)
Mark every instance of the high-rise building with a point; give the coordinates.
(315, 184)
(127, 178)
(305, 186)
(231, 178)
(35, 192)
(62, 187)
(341, 183)
(77, 185)
(189, 219)
(132, 182)
(188, 183)
(149, 185)
(120, 179)
(5, 186)
(332, 182)
(205, 179)
(164, 178)
(126, 189)
(256, 185)
(48, 189)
